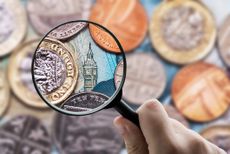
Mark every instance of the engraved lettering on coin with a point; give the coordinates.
(7, 23)
(55, 70)
(94, 134)
(49, 71)
(23, 135)
(46, 14)
(183, 28)
(145, 78)
(67, 30)
(85, 101)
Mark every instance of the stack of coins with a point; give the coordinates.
(170, 51)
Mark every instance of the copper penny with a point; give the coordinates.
(201, 91)
(126, 19)
(175, 114)
(224, 41)
(45, 15)
(219, 135)
(145, 78)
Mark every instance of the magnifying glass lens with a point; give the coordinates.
(72, 70)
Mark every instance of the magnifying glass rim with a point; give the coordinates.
(111, 98)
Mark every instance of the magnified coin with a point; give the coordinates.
(23, 135)
(67, 30)
(84, 101)
(19, 74)
(75, 75)
(224, 42)
(175, 114)
(55, 71)
(47, 14)
(201, 91)
(218, 135)
(13, 25)
(145, 78)
(126, 19)
(182, 31)
(90, 134)
(4, 92)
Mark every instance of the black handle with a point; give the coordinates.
(127, 112)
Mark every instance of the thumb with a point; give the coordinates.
(133, 137)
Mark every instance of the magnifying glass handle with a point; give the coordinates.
(127, 112)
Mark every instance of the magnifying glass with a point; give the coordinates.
(79, 68)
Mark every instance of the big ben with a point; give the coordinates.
(89, 71)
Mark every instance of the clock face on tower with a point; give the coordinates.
(90, 71)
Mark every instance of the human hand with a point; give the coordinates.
(160, 134)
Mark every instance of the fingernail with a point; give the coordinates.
(152, 104)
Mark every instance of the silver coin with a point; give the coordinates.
(224, 41)
(84, 101)
(145, 78)
(49, 71)
(183, 28)
(24, 135)
(67, 30)
(47, 14)
(7, 22)
(92, 134)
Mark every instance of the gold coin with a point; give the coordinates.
(19, 74)
(182, 31)
(4, 92)
(13, 25)
(55, 71)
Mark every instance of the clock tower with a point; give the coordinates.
(89, 71)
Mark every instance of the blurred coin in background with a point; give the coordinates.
(4, 92)
(92, 134)
(175, 114)
(219, 135)
(182, 31)
(24, 134)
(47, 14)
(19, 74)
(201, 91)
(13, 25)
(145, 78)
(55, 70)
(126, 19)
(224, 41)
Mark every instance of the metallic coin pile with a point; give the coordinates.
(171, 52)
(24, 134)
(90, 134)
